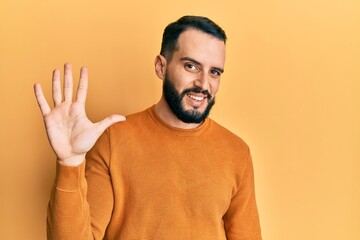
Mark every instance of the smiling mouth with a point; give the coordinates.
(196, 98)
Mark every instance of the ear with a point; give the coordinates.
(160, 66)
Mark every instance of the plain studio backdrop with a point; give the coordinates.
(291, 90)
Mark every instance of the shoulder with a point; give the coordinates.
(134, 125)
(228, 140)
(225, 134)
(132, 120)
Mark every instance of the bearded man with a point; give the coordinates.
(168, 172)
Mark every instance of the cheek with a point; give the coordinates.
(183, 80)
(215, 87)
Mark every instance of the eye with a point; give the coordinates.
(215, 72)
(191, 67)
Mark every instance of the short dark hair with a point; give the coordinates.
(173, 30)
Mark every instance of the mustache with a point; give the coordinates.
(197, 90)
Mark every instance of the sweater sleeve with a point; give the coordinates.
(241, 219)
(81, 199)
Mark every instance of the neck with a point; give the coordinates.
(165, 113)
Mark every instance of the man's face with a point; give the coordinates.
(193, 75)
(175, 98)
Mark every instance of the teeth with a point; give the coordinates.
(196, 97)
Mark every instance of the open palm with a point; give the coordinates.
(70, 132)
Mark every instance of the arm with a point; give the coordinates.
(73, 197)
(241, 219)
(71, 135)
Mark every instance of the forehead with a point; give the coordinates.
(202, 47)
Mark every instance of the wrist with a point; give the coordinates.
(72, 161)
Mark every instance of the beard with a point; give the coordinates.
(174, 100)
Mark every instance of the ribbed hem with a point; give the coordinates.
(69, 178)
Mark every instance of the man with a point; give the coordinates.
(168, 172)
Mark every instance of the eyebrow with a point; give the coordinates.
(198, 63)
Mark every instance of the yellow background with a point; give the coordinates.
(291, 90)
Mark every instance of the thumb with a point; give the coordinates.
(107, 122)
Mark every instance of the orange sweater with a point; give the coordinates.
(145, 180)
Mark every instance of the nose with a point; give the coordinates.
(202, 81)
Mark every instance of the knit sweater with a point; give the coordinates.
(146, 180)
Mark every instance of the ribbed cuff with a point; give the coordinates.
(69, 178)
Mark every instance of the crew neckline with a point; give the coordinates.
(174, 130)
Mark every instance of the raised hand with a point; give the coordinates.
(70, 132)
